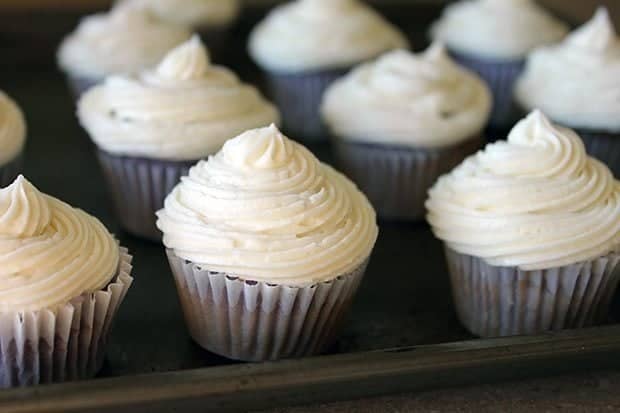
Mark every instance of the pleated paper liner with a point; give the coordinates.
(506, 301)
(500, 76)
(298, 97)
(604, 146)
(10, 170)
(257, 321)
(62, 344)
(138, 187)
(396, 179)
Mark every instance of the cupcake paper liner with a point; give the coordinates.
(257, 321)
(396, 179)
(138, 187)
(63, 344)
(10, 170)
(496, 301)
(298, 97)
(80, 84)
(500, 76)
(604, 146)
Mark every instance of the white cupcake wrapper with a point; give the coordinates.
(298, 97)
(138, 187)
(10, 170)
(67, 343)
(257, 321)
(604, 146)
(501, 77)
(505, 301)
(396, 180)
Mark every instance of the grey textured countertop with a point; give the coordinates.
(593, 392)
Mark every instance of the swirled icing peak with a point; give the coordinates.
(50, 253)
(496, 29)
(185, 109)
(322, 34)
(186, 62)
(265, 209)
(12, 129)
(535, 201)
(24, 212)
(598, 35)
(576, 82)
(198, 14)
(125, 40)
(422, 100)
(259, 149)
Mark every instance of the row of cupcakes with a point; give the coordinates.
(268, 246)
(403, 119)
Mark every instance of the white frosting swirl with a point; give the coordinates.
(265, 209)
(497, 29)
(183, 110)
(12, 129)
(50, 253)
(322, 34)
(190, 13)
(423, 100)
(536, 201)
(577, 82)
(126, 40)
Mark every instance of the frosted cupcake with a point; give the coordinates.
(305, 45)
(267, 246)
(12, 139)
(151, 128)
(124, 41)
(577, 83)
(531, 228)
(400, 122)
(211, 18)
(493, 38)
(63, 279)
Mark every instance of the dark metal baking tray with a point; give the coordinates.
(402, 333)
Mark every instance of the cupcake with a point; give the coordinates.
(305, 45)
(577, 83)
(211, 18)
(124, 41)
(149, 129)
(63, 281)
(12, 139)
(267, 246)
(493, 38)
(402, 121)
(531, 228)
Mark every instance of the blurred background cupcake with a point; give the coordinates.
(125, 40)
(150, 128)
(212, 19)
(493, 38)
(64, 278)
(12, 139)
(577, 83)
(402, 121)
(268, 247)
(531, 228)
(305, 45)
